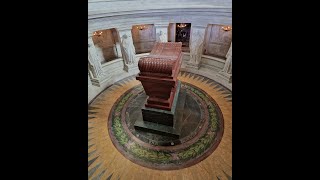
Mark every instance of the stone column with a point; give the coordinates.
(94, 63)
(226, 72)
(127, 48)
(196, 45)
(162, 31)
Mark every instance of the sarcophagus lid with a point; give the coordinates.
(163, 60)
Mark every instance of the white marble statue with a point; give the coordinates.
(196, 47)
(99, 53)
(129, 52)
(162, 37)
(95, 67)
(228, 65)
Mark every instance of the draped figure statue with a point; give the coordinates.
(228, 65)
(129, 52)
(162, 37)
(196, 47)
(94, 65)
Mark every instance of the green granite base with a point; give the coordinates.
(163, 122)
(156, 128)
(160, 116)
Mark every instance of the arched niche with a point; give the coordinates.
(105, 42)
(180, 32)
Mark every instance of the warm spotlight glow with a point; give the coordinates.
(182, 25)
(97, 33)
(226, 28)
(142, 27)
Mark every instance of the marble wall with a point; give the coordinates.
(102, 8)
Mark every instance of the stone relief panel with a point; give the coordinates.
(217, 41)
(144, 37)
(105, 42)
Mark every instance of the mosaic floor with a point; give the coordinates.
(203, 151)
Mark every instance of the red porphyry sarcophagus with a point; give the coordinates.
(158, 74)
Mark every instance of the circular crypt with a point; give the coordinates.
(201, 130)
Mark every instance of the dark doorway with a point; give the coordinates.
(183, 34)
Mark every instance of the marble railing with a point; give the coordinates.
(114, 71)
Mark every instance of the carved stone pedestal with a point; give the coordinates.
(167, 123)
(193, 65)
(130, 67)
(99, 81)
(95, 82)
(225, 76)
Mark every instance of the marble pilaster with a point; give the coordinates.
(196, 45)
(226, 72)
(94, 64)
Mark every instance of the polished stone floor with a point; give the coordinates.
(198, 119)
(106, 162)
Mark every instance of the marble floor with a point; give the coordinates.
(106, 162)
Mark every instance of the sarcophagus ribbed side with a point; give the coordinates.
(158, 74)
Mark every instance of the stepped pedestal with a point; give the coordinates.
(158, 76)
